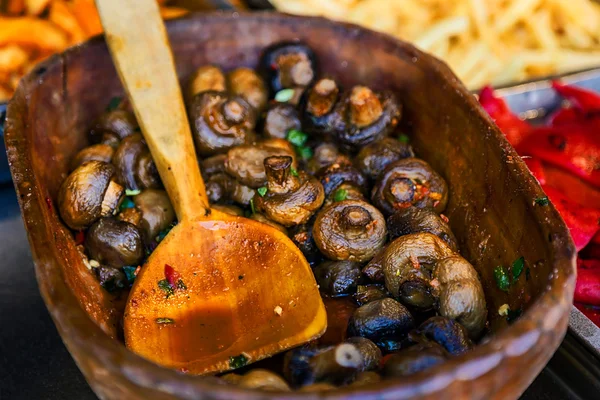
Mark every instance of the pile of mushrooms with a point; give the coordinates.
(328, 166)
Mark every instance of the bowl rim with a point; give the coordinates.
(67, 314)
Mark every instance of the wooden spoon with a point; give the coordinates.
(219, 291)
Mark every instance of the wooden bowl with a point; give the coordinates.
(491, 210)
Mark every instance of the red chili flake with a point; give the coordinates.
(415, 262)
(171, 275)
(49, 203)
(79, 237)
(444, 218)
(436, 203)
(137, 270)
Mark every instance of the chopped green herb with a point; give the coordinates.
(304, 152)
(284, 95)
(296, 137)
(165, 321)
(113, 104)
(127, 203)
(129, 273)
(181, 285)
(501, 277)
(403, 138)
(238, 361)
(252, 209)
(542, 201)
(262, 191)
(166, 287)
(512, 315)
(527, 273)
(517, 268)
(293, 171)
(340, 195)
(130, 192)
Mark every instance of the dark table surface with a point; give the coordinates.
(34, 363)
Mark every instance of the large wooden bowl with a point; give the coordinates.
(491, 207)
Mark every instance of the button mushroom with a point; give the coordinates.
(114, 243)
(291, 197)
(349, 230)
(246, 83)
(263, 380)
(280, 119)
(89, 193)
(146, 173)
(366, 378)
(381, 321)
(334, 175)
(157, 212)
(288, 65)
(241, 194)
(246, 163)
(220, 122)
(371, 354)
(407, 263)
(319, 113)
(325, 155)
(135, 167)
(213, 165)
(406, 182)
(220, 187)
(206, 78)
(95, 152)
(461, 295)
(111, 279)
(113, 126)
(367, 293)
(374, 157)
(414, 220)
(338, 278)
(302, 237)
(449, 334)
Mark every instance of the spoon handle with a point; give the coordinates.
(139, 46)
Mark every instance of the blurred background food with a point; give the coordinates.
(484, 41)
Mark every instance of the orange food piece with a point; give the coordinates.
(85, 12)
(62, 16)
(32, 32)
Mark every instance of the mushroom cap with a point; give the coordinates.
(414, 220)
(157, 211)
(121, 123)
(372, 159)
(114, 243)
(246, 162)
(246, 83)
(95, 152)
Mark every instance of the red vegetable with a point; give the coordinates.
(581, 99)
(587, 288)
(564, 116)
(513, 128)
(79, 237)
(171, 275)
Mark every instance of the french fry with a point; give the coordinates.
(61, 15)
(35, 7)
(172, 12)
(32, 33)
(12, 58)
(85, 12)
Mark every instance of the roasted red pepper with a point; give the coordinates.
(171, 275)
(512, 126)
(582, 100)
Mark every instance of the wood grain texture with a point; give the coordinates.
(491, 206)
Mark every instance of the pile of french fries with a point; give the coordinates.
(32, 30)
(484, 41)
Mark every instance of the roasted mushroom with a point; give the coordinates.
(349, 230)
(335, 364)
(205, 78)
(220, 122)
(414, 220)
(371, 354)
(461, 295)
(302, 237)
(449, 334)
(288, 65)
(131, 215)
(407, 263)
(325, 155)
(213, 165)
(381, 321)
(246, 83)
(157, 212)
(95, 152)
(366, 378)
(264, 380)
(367, 293)
(338, 278)
(346, 191)
(114, 243)
(146, 174)
(414, 359)
(319, 113)
(126, 160)
(113, 126)
(89, 193)
(280, 119)
(410, 181)
(246, 163)
(242, 194)
(373, 158)
(334, 175)
(221, 187)
(111, 279)
(291, 197)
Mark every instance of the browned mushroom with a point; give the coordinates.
(246, 83)
(338, 278)
(206, 78)
(367, 293)
(326, 154)
(131, 215)
(89, 193)
(319, 115)
(446, 332)
(371, 354)
(373, 158)
(229, 209)
(113, 126)
(280, 119)
(157, 212)
(366, 378)
(349, 230)
(334, 175)
(213, 165)
(406, 182)
(146, 174)
(302, 237)
(288, 65)
(345, 191)
(413, 220)
(126, 158)
(114, 243)
(264, 380)
(414, 359)
(95, 152)
(290, 197)
(241, 194)
(221, 187)
(246, 163)
(220, 122)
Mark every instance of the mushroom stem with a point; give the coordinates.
(112, 198)
(279, 177)
(355, 218)
(365, 107)
(322, 97)
(234, 112)
(401, 191)
(340, 361)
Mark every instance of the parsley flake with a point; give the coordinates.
(252, 209)
(284, 95)
(542, 201)
(113, 104)
(166, 287)
(296, 137)
(164, 321)
(340, 195)
(403, 138)
(238, 361)
(130, 192)
(304, 152)
(517, 268)
(293, 171)
(501, 277)
(262, 191)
